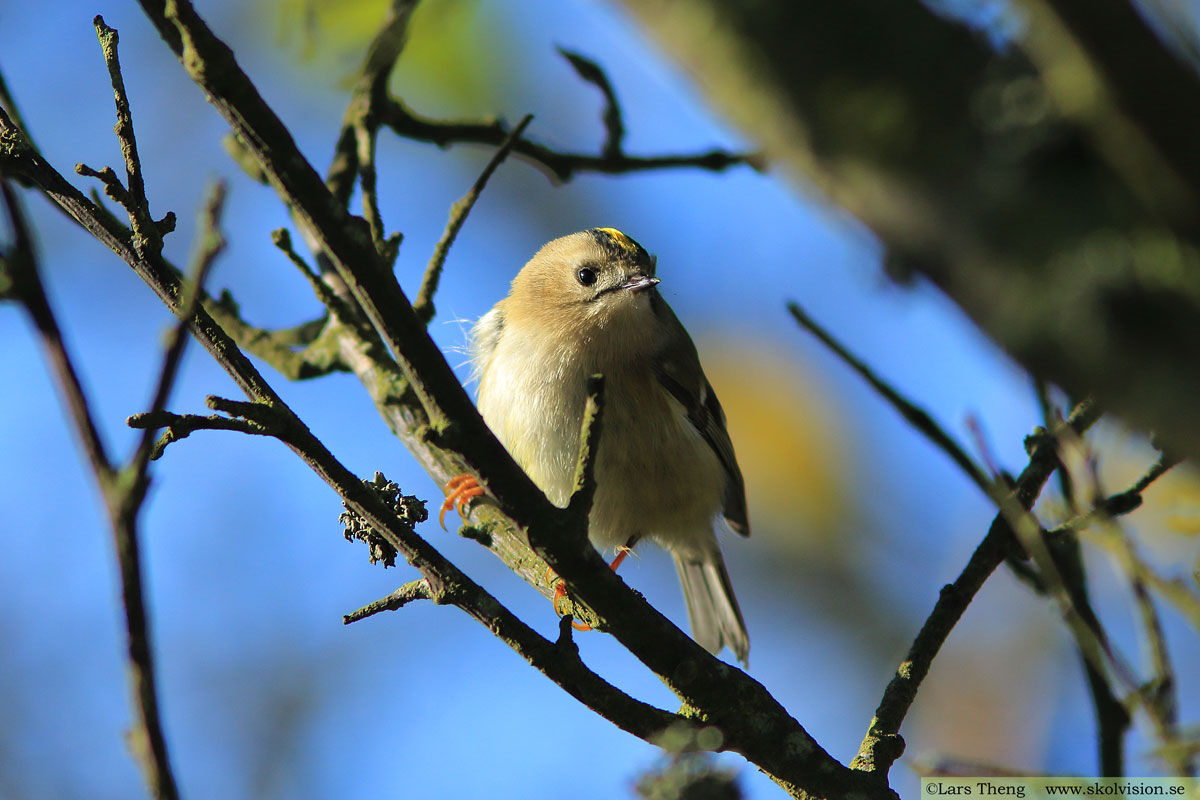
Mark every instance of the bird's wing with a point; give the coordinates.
(677, 367)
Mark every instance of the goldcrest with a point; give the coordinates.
(665, 471)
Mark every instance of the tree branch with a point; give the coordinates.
(912, 413)
(1119, 504)
(614, 127)
(1156, 697)
(123, 492)
(450, 586)
(882, 744)
(1160, 696)
(423, 305)
(1062, 577)
(317, 356)
(370, 91)
(146, 232)
(25, 285)
(574, 523)
(558, 165)
(181, 426)
(210, 244)
(579, 506)
(413, 590)
(1112, 718)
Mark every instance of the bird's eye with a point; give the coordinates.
(586, 276)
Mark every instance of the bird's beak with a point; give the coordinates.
(640, 283)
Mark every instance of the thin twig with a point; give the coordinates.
(614, 127)
(574, 525)
(916, 416)
(423, 305)
(975, 428)
(323, 348)
(558, 165)
(146, 232)
(112, 184)
(1164, 463)
(580, 504)
(413, 590)
(1090, 638)
(1176, 591)
(1160, 697)
(1051, 416)
(275, 346)
(111, 219)
(27, 288)
(365, 134)
(369, 91)
(354, 153)
(1119, 504)
(1063, 582)
(283, 240)
(181, 426)
(1061, 573)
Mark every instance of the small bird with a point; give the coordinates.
(588, 303)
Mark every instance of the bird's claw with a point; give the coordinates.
(560, 596)
(460, 490)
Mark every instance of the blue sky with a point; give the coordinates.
(265, 693)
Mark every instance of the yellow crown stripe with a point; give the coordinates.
(619, 238)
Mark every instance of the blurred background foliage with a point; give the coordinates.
(454, 62)
(1047, 181)
(858, 521)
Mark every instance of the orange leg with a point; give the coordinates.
(459, 491)
(622, 554)
(560, 588)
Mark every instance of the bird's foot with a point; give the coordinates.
(560, 597)
(560, 588)
(460, 490)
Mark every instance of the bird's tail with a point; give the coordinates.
(712, 609)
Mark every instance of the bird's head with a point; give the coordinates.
(595, 284)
